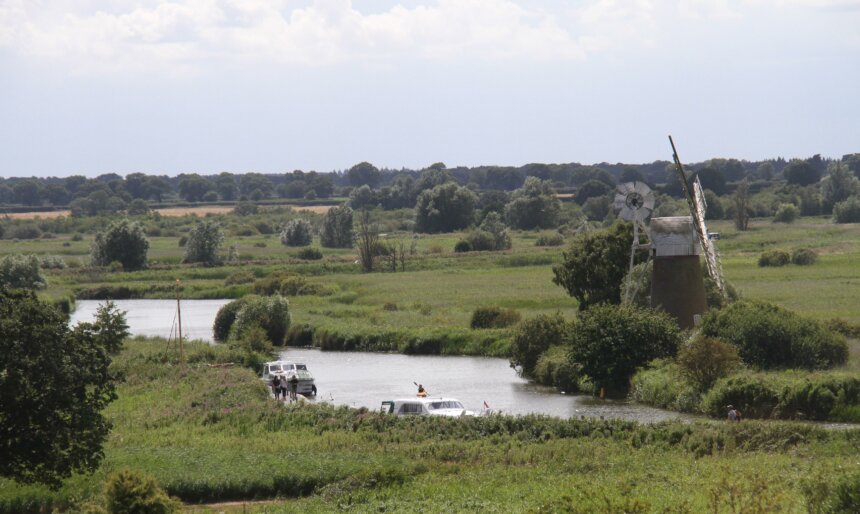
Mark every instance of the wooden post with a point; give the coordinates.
(179, 316)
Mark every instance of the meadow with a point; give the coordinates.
(212, 435)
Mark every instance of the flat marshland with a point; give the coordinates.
(213, 435)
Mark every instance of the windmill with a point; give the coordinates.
(634, 202)
(696, 202)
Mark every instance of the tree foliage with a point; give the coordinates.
(801, 173)
(534, 336)
(594, 265)
(704, 360)
(535, 205)
(297, 232)
(838, 185)
(204, 243)
(271, 313)
(21, 272)
(445, 208)
(337, 228)
(123, 241)
(610, 342)
(132, 492)
(768, 336)
(54, 383)
(364, 173)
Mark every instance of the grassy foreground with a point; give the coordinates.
(213, 435)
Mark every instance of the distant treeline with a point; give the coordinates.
(390, 188)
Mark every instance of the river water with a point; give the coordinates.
(366, 379)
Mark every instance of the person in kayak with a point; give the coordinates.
(421, 392)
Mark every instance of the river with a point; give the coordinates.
(366, 379)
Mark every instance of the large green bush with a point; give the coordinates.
(774, 258)
(847, 211)
(204, 243)
(610, 342)
(553, 368)
(297, 233)
(21, 272)
(271, 313)
(704, 360)
(131, 492)
(804, 257)
(768, 336)
(226, 316)
(831, 396)
(786, 213)
(493, 317)
(533, 337)
(123, 241)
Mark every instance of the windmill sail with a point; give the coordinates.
(697, 204)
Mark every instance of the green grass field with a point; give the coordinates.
(213, 435)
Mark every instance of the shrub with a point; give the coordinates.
(480, 241)
(774, 258)
(131, 492)
(847, 211)
(183, 240)
(239, 277)
(226, 316)
(204, 243)
(768, 336)
(123, 241)
(841, 326)
(533, 337)
(610, 342)
(660, 384)
(704, 360)
(462, 246)
(253, 340)
(754, 397)
(494, 317)
(245, 208)
(271, 313)
(553, 368)
(297, 233)
(553, 240)
(21, 271)
(786, 213)
(310, 254)
(25, 232)
(52, 262)
(804, 257)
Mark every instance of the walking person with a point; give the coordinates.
(284, 388)
(294, 388)
(734, 414)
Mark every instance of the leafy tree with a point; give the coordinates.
(810, 201)
(271, 313)
(495, 227)
(204, 243)
(368, 241)
(54, 383)
(444, 208)
(123, 241)
(765, 171)
(852, 161)
(21, 272)
(226, 186)
(801, 173)
(226, 316)
(337, 229)
(712, 179)
(839, 185)
(630, 174)
(297, 232)
(534, 336)
(742, 205)
(364, 173)
(611, 341)
(595, 264)
(596, 208)
(137, 207)
(591, 189)
(432, 177)
(28, 192)
(111, 327)
(715, 209)
(246, 208)
(534, 205)
(253, 182)
(193, 187)
(362, 197)
(847, 211)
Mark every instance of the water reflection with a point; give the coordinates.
(158, 317)
(366, 379)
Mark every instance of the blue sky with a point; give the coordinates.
(205, 86)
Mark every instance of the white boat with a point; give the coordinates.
(425, 407)
(287, 370)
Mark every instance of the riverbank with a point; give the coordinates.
(212, 434)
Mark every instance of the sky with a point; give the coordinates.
(117, 86)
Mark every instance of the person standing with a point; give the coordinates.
(294, 388)
(734, 415)
(276, 387)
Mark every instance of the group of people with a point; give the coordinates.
(281, 386)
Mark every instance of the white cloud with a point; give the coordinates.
(183, 34)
